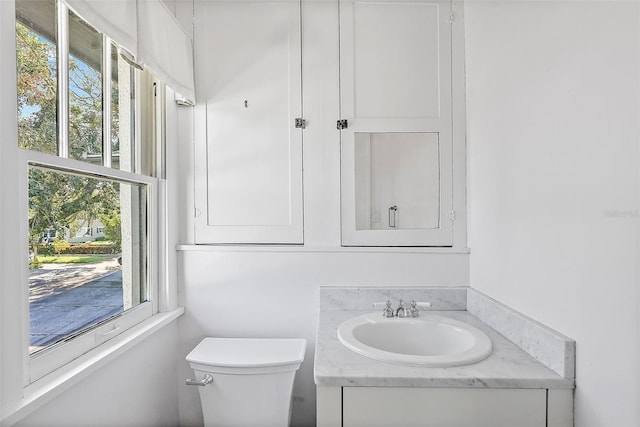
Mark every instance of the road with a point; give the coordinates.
(66, 298)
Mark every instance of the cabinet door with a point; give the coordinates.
(248, 165)
(395, 78)
(424, 407)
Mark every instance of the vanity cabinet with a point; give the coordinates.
(411, 406)
(248, 149)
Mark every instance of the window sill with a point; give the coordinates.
(52, 385)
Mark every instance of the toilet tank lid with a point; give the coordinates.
(248, 352)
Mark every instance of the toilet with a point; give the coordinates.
(246, 381)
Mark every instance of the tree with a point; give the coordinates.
(112, 227)
(58, 200)
(59, 244)
(36, 91)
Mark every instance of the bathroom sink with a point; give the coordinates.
(430, 340)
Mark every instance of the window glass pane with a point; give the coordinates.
(85, 91)
(122, 112)
(87, 252)
(37, 85)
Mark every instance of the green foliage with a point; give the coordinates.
(92, 249)
(43, 249)
(57, 200)
(73, 259)
(59, 245)
(35, 263)
(85, 111)
(112, 226)
(83, 249)
(61, 201)
(36, 92)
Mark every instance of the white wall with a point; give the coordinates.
(270, 292)
(238, 293)
(136, 389)
(552, 110)
(10, 377)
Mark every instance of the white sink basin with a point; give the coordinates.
(430, 340)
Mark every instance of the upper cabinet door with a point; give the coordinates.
(396, 95)
(248, 165)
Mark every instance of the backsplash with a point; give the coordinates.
(443, 298)
(553, 349)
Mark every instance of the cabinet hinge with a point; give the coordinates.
(300, 123)
(452, 216)
(342, 124)
(451, 18)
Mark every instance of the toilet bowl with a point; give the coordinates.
(246, 381)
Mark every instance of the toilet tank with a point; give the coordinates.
(252, 379)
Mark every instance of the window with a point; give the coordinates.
(90, 209)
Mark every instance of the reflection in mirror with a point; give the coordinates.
(397, 180)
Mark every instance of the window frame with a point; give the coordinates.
(57, 355)
(17, 399)
(149, 140)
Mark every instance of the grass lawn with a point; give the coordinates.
(101, 243)
(72, 259)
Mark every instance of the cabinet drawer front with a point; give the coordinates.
(385, 406)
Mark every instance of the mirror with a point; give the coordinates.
(397, 180)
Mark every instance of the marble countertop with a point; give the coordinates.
(508, 367)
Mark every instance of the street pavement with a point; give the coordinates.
(67, 298)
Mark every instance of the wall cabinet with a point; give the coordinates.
(248, 165)
(397, 151)
(396, 97)
(385, 406)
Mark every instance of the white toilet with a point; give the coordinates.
(246, 381)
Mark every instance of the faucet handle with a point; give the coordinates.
(413, 309)
(387, 311)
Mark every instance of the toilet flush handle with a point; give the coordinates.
(208, 379)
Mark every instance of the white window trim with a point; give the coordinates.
(57, 355)
(53, 382)
(46, 361)
(16, 399)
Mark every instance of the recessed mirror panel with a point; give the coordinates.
(397, 180)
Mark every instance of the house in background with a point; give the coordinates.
(85, 232)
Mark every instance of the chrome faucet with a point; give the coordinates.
(413, 309)
(387, 311)
(402, 311)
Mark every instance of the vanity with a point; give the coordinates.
(528, 384)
